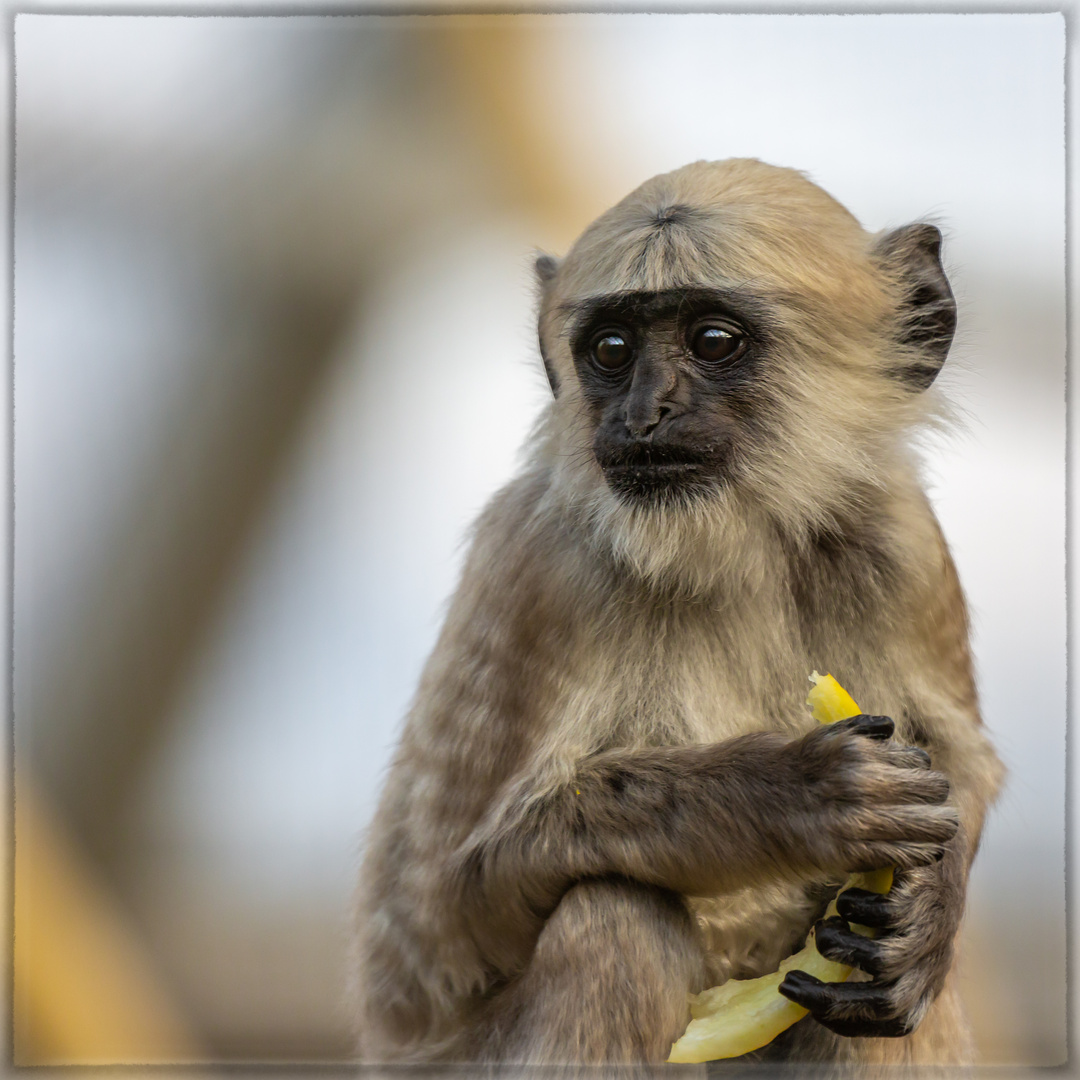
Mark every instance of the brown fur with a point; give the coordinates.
(609, 791)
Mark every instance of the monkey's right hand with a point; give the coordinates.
(864, 802)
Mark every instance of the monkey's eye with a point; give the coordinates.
(611, 351)
(714, 344)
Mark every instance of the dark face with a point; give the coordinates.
(669, 379)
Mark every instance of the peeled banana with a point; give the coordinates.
(746, 1014)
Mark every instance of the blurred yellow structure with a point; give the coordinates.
(492, 59)
(85, 992)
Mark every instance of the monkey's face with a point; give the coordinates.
(668, 379)
(729, 340)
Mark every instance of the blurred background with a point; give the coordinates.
(274, 349)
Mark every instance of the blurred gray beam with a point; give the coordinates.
(286, 228)
(99, 712)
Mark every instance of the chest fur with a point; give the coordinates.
(681, 673)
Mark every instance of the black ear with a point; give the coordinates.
(547, 266)
(927, 314)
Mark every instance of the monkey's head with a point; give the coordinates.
(729, 336)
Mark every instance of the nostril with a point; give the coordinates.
(640, 428)
(641, 424)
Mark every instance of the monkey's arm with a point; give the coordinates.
(919, 919)
(702, 819)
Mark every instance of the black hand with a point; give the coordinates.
(908, 958)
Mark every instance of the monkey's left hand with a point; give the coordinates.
(916, 924)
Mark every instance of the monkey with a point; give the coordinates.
(609, 792)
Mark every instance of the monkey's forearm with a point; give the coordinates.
(679, 817)
(700, 820)
(696, 819)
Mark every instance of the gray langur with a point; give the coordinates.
(609, 791)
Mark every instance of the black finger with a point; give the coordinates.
(909, 757)
(866, 908)
(806, 990)
(835, 941)
(869, 1029)
(838, 1002)
(919, 758)
(873, 727)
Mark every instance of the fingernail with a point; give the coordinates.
(874, 727)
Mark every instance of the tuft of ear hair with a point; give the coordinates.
(911, 255)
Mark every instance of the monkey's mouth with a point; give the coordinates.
(657, 474)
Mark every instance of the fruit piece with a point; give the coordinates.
(829, 701)
(747, 1014)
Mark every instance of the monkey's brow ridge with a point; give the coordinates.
(653, 304)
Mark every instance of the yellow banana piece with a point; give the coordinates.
(747, 1014)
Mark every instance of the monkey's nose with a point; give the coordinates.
(642, 422)
(648, 403)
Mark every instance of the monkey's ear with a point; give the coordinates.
(546, 266)
(549, 370)
(927, 315)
